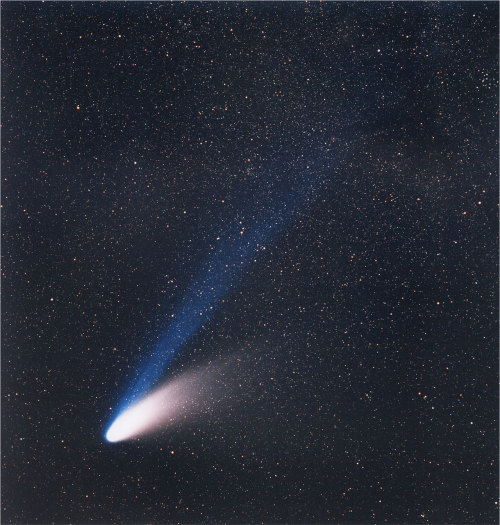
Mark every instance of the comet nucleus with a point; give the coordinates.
(180, 398)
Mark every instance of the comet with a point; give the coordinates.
(272, 205)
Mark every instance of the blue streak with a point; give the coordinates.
(224, 268)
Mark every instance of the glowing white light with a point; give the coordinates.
(192, 394)
(158, 408)
(136, 419)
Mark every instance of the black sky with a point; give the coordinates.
(136, 134)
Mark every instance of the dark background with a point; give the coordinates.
(133, 135)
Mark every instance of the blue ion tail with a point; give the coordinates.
(226, 264)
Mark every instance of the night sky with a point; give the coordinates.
(335, 166)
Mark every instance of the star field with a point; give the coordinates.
(360, 338)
